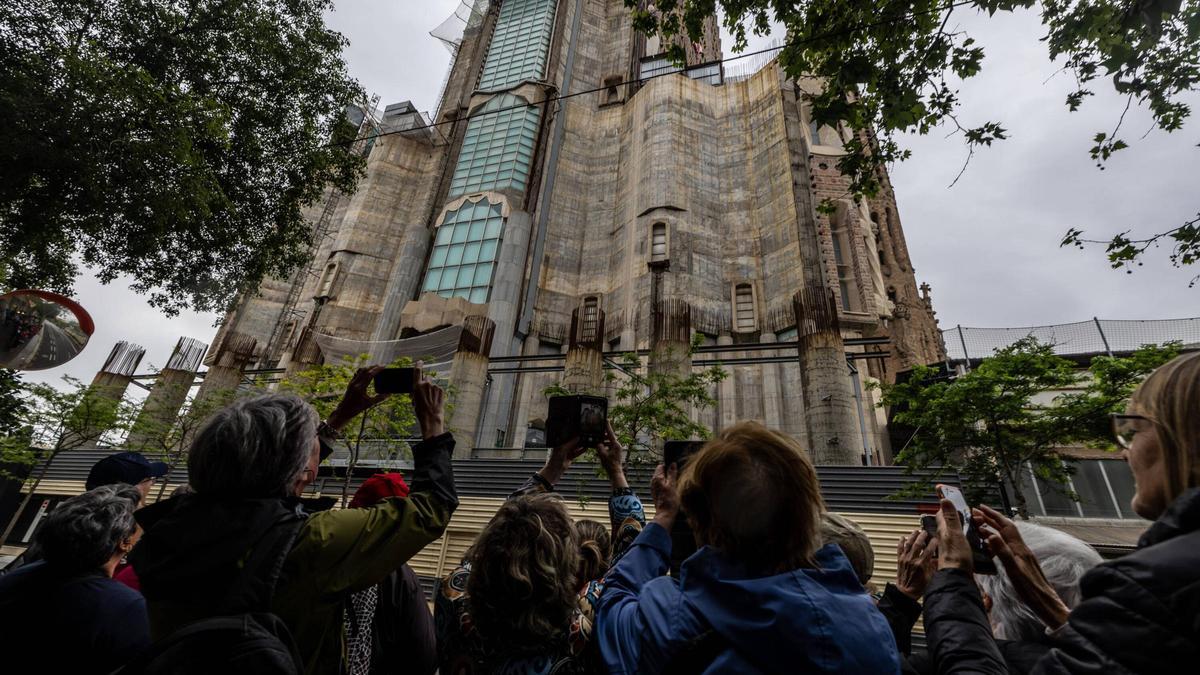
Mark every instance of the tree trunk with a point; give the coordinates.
(1019, 500)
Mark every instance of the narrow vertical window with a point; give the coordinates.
(847, 288)
(325, 288)
(658, 242)
(591, 307)
(743, 308)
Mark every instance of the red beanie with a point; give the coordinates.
(378, 488)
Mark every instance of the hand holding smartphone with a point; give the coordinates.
(980, 557)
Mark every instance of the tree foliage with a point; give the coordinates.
(887, 67)
(1107, 391)
(1004, 415)
(174, 141)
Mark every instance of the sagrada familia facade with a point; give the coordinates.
(579, 196)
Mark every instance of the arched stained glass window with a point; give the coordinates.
(464, 252)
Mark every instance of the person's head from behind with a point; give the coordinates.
(93, 531)
(1161, 435)
(523, 584)
(752, 493)
(265, 446)
(854, 542)
(594, 548)
(1063, 559)
(130, 468)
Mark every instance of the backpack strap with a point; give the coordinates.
(262, 567)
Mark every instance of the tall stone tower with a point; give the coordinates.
(578, 191)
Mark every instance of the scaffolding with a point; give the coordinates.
(466, 16)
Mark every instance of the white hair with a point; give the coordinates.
(84, 532)
(1064, 560)
(254, 447)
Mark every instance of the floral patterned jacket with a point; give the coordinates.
(463, 651)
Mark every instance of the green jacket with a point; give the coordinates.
(194, 547)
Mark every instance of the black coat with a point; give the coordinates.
(1139, 614)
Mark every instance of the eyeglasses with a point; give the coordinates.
(1125, 426)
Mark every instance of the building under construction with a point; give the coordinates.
(578, 195)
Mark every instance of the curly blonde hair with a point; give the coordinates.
(523, 585)
(595, 546)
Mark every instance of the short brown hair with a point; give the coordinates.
(752, 493)
(522, 587)
(1170, 397)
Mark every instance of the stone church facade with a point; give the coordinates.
(578, 196)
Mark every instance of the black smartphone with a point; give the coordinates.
(929, 524)
(982, 560)
(683, 540)
(585, 417)
(395, 381)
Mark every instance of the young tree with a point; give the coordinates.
(174, 141)
(1112, 381)
(650, 406)
(56, 421)
(888, 67)
(986, 424)
(991, 422)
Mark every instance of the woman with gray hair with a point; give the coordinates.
(98, 624)
(249, 465)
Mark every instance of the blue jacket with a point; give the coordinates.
(803, 621)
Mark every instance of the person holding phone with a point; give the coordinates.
(762, 594)
(1138, 613)
(517, 603)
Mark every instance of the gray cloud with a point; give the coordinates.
(989, 245)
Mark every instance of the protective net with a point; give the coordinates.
(468, 14)
(1081, 338)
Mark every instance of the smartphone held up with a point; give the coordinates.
(396, 380)
(980, 556)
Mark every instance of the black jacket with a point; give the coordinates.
(403, 633)
(1139, 614)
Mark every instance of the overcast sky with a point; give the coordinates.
(988, 246)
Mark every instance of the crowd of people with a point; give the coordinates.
(242, 574)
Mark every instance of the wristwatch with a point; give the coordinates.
(326, 431)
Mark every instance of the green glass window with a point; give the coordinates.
(464, 252)
(519, 44)
(496, 148)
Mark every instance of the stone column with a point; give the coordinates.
(469, 373)
(519, 424)
(161, 408)
(727, 390)
(583, 371)
(830, 413)
(226, 364)
(771, 396)
(107, 389)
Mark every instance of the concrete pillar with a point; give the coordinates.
(227, 361)
(518, 426)
(159, 412)
(469, 373)
(504, 305)
(727, 391)
(583, 372)
(830, 410)
(772, 397)
(107, 389)
(402, 286)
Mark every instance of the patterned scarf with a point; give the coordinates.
(358, 630)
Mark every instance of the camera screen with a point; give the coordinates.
(591, 418)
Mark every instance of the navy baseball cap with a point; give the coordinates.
(124, 467)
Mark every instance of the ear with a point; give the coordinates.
(987, 601)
